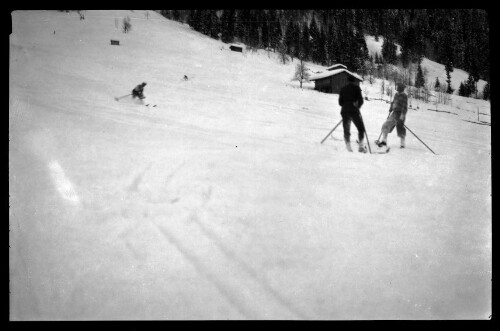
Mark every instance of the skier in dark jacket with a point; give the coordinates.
(138, 91)
(351, 100)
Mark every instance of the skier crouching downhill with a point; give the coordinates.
(397, 117)
(351, 100)
(138, 91)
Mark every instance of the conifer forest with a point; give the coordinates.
(457, 38)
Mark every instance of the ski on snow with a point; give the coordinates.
(147, 105)
(379, 150)
(382, 150)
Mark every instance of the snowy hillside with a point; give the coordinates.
(221, 202)
(433, 69)
(375, 46)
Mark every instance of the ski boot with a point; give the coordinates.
(348, 146)
(362, 148)
(383, 141)
(403, 142)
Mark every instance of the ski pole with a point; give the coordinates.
(322, 141)
(366, 134)
(419, 139)
(368, 141)
(123, 96)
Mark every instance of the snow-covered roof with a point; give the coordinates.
(336, 66)
(333, 73)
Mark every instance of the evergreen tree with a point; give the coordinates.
(474, 78)
(486, 91)
(381, 22)
(339, 51)
(437, 84)
(205, 22)
(361, 49)
(265, 34)
(359, 21)
(471, 85)
(462, 90)
(321, 48)
(194, 20)
(389, 51)
(214, 24)
(351, 55)
(411, 45)
(292, 36)
(253, 29)
(447, 49)
(275, 33)
(176, 15)
(240, 28)
(328, 46)
(405, 57)
(199, 24)
(227, 25)
(245, 20)
(419, 80)
(305, 43)
(167, 13)
(316, 45)
(448, 68)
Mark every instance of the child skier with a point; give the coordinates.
(138, 91)
(351, 100)
(397, 117)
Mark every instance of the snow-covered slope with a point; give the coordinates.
(221, 203)
(433, 69)
(375, 46)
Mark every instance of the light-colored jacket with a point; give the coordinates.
(400, 103)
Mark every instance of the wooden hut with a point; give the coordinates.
(236, 48)
(332, 81)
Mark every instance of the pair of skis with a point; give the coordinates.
(123, 96)
(379, 150)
